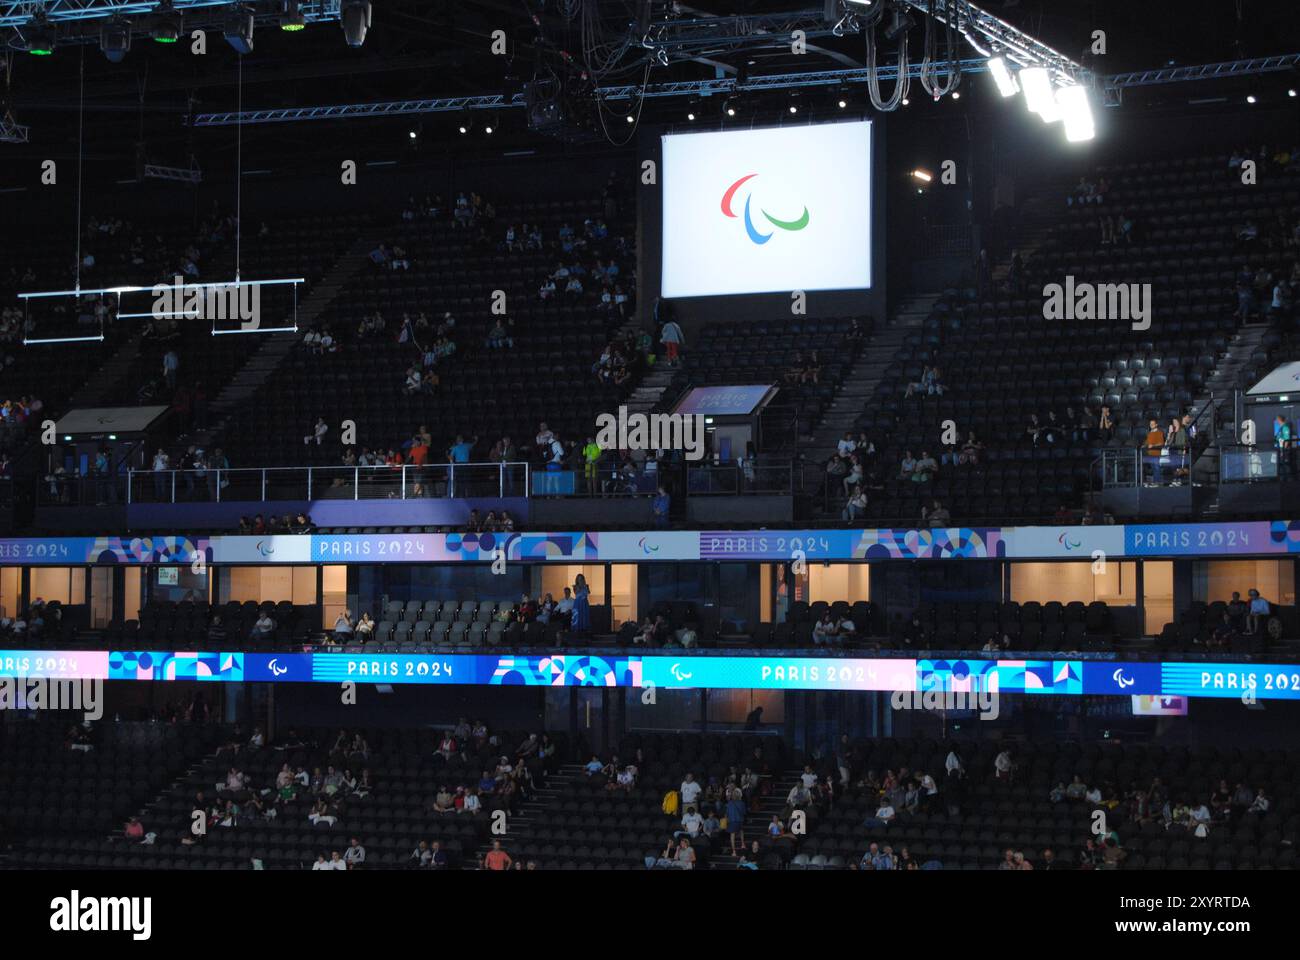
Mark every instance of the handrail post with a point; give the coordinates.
(218, 479)
(309, 473)
(356, 483)
(173, 486)
(501, 479)
(263, 485)
(129, 478)
(403, 481)
(451, 480)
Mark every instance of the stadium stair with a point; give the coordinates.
(520, 827)
(857, 388)
(266, 360)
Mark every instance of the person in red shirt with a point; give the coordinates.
(497, 859)
(419, 452)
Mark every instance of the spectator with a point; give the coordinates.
(670, 335)
(318, 432)
(1258, 611)
(497, 858)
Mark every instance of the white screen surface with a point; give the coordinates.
(765, 211)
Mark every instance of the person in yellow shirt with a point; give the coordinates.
(591, 454)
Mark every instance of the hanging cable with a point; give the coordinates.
(81, 139)
(239, 167)
(901, 85)
(952, 14)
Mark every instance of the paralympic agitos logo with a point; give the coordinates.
(753, 231)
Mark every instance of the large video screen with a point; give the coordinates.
(765, 211)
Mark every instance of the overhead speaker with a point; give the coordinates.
(356, 21)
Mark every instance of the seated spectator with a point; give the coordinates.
(499, 336)
(936, 515)
(318, 432)
(856, 508)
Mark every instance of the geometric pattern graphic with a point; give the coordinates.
(154, 665)
(1063, 677)
(933, 544)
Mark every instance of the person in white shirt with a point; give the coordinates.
(885, 813)
(690, 790)
(317, 433)
(1002, 765)
(847, 445)
(952, 765)
(472, 803)
(321, 863)
(336, 862)
(691, 822)
(355, 855)
(808, 777)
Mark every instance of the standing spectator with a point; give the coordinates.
(672, 338)
(170, 364)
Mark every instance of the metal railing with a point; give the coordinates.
(261, 484)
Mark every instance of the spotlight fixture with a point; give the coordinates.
(956, 94)
(1039, 96)
(1249, 99)
(115, 40)
(166, 24)
(488, 130)
(1291, 92)
(238, 31)
(412, 134)
(729, 108)
(906, 101)
(793, 108)
(1076, 112)
(463, 129)
(923, 175)
(356, 21)
(843, 103)
(1007, 85)
(39, 37)
(630, 118)
(291, 18)
(690, 114)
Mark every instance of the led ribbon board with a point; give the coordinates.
(1059, 677)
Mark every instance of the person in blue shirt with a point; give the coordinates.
(581, 620)
(594, 766)
(736, 813)
(460, 450)
(661, 504)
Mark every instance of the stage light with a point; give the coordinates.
(1076, 112)
(956, 95)
(166, 24)
(412, 134)
(1039, 96)
(356, 21)
(843, 104)
(922, 175)
(238, 32)
(463, 128)
(39, 38)
(115, 41)
(906, 101)
(690, 115)
(1251, 99)
(793, 108)
(291, 18)
(488, 131)
(1007, 85)
(731, 111)
(1291, 92)
(630, 118)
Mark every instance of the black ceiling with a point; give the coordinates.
(434, 48)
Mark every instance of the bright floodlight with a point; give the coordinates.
(1076, 112)
(923, 175)
(1007, 85)
(1039, 96)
